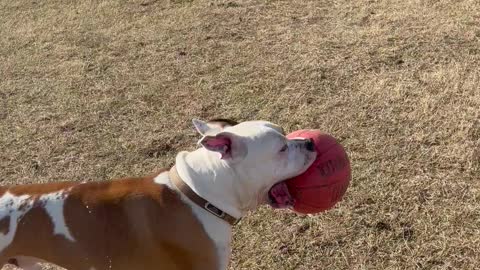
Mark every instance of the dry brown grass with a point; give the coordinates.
(104, 89)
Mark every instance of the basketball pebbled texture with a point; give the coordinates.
(325, 182)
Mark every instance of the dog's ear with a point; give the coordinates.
(212, 126)
(228, 145)
(215, 139)
(201, 126)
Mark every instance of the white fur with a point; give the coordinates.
(239, 184)
(218, 230)
(17, 206)
(54, 206)
(9, 206)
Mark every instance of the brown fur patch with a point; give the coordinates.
(131, 223)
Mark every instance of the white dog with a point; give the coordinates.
(178, 219)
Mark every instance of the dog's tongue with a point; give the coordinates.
(279, 197)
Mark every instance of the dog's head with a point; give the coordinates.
(257, 154)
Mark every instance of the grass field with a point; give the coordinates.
(94, 90)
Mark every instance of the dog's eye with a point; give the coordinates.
(284, 148)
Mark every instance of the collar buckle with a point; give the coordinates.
(214, 210)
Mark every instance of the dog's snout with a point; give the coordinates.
(309, 145)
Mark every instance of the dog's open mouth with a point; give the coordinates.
(279, 197)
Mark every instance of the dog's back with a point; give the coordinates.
(124, 224)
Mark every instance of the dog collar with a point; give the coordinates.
(187, 191)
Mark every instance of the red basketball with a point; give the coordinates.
(326, 180)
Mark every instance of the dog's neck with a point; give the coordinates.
(213, 180)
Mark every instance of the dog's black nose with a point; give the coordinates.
(309, 145)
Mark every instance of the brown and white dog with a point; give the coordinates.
(178, 219)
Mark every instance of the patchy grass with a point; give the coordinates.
(100, 90)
